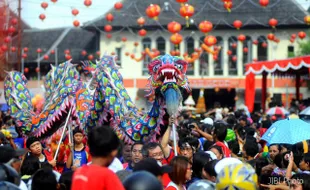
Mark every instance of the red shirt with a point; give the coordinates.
(225, 149)
(95, 177)
(166, 179)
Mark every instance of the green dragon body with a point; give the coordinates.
(97, 95)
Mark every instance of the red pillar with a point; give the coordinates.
(297, 85)
(264, 90)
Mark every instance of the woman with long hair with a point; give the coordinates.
(181, 172)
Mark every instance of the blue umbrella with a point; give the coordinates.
(287, 131)
(4, 107)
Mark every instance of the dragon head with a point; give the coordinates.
(168, 74)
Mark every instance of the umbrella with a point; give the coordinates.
(287, 131)
(277, 111)
(4, 107)
(305, 111)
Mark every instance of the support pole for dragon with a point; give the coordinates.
(63, 133)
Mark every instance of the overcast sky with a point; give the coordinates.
(59, 14)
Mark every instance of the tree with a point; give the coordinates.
(304, 46)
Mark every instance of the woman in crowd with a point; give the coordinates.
(181, 172)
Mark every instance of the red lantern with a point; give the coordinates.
(187, 11)
(39, 50)
(42, 17)
(112, 53)
(301, 35)
(264, 3)
(109, 36)
(98, 53)
(237, 24)
(53, 52)
(68, 57)
(234, 45)
(141, 21)
(83, 53)
(13, 49)
(37, 69)
(181, 1)
(307, 19)
(26, 49)
(45, 57)
(245, 50)
(108, 28)
(118, 5)
(124, 39)
(109, 17)
(174, 27)
(241, 37)
(205, 26)
(270, 36)
(132, 56)
(142, 32)
(87, 3)
(273, 22)
(67, 52)
(293, 36)
(4, 47)
(76, 23)
(177, 52)
(127, 53)
(44, 5)
(136, 44)
(14, 21)
(24, 56)
(54, 1)
(210, 40)
(234, 58)
(11, 30)
(7, 39)
(75, 12)
(215, 57)
(90, 57)
(26, 70)
(228, 5)
(153, 11)
(229, 52)
(255, 42)
(264, 45)
(176, 38)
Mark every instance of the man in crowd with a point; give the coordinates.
(35, 148)
(136, 156)
(81, 152)
(103, 146)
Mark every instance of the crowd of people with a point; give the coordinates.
(216, 150)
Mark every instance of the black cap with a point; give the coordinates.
(31, 140)
(7, 153)
(77, 130)
(151, 165)
(244, 118)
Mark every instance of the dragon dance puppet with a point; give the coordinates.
(97, 95)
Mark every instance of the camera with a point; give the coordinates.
(190, 126)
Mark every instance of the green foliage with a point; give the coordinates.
(304, 46)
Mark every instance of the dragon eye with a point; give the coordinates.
(180, 67)
(155, 69)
